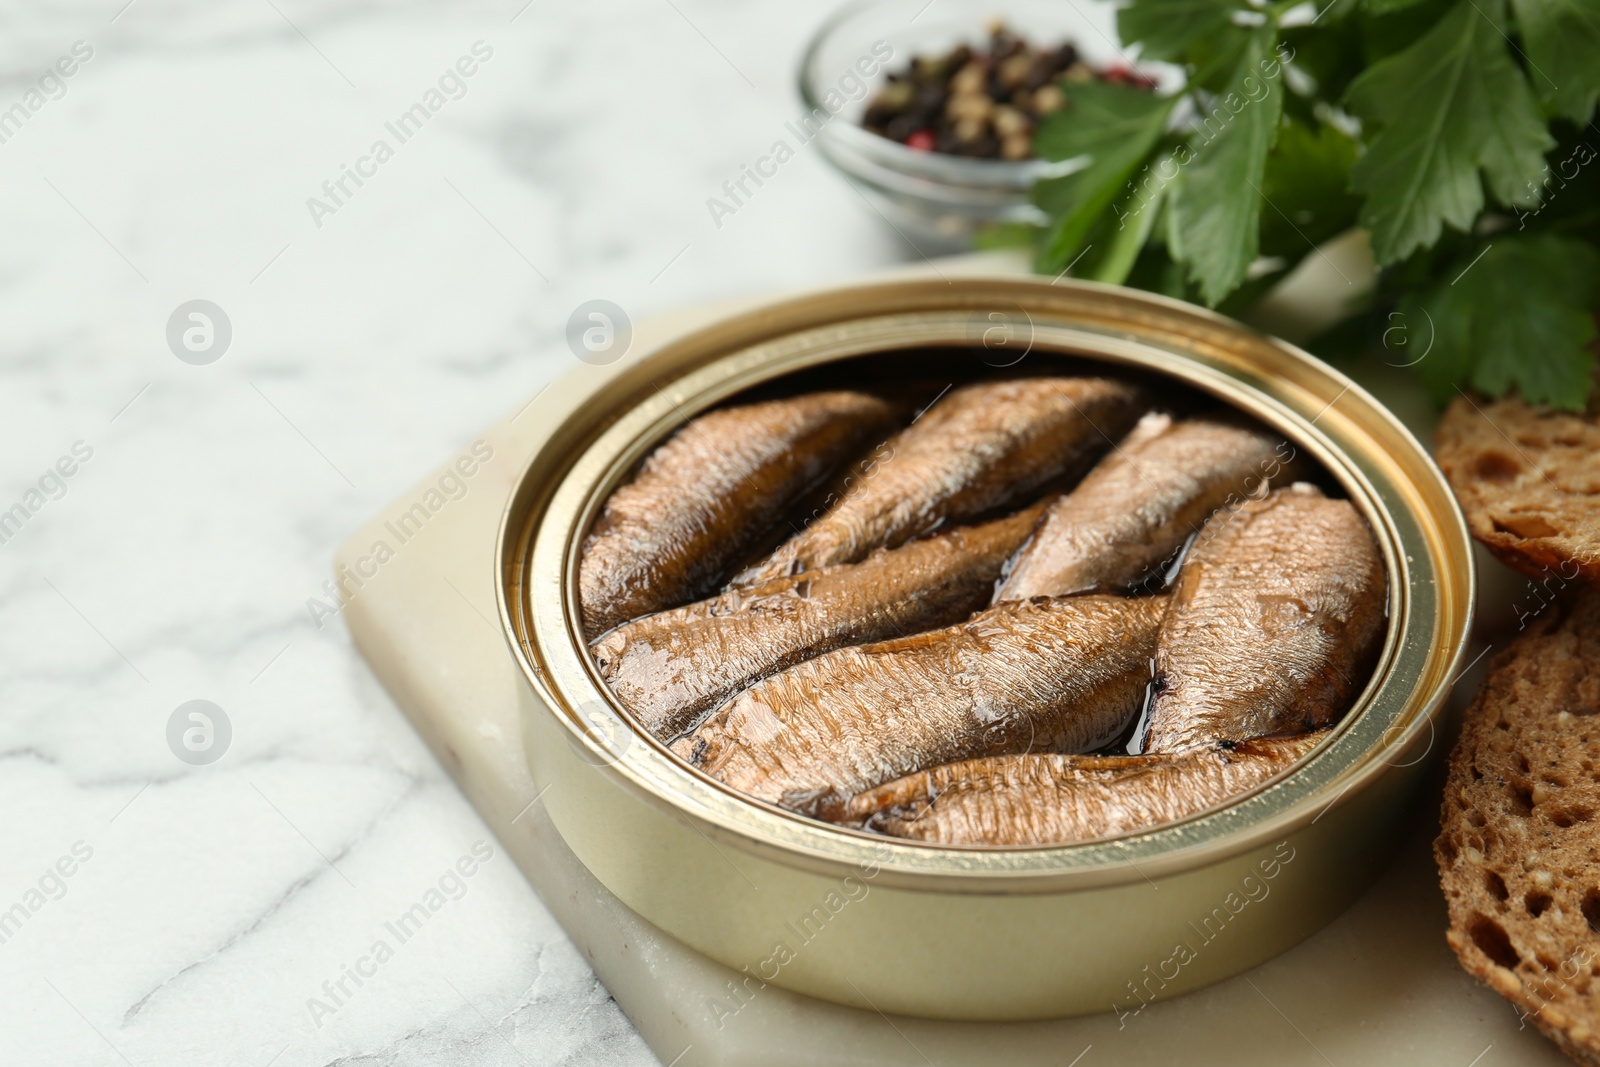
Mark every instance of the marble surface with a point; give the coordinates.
(213, 910)
(176, 563)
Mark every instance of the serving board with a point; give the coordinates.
(1376, 987)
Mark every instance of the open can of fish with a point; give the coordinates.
(979, 932)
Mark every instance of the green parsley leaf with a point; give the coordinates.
(1383, 7)
(1155, 272)
(1569, 197)
(1122, 247)
(1002, 235)
(1306, 187)
(1519, 316)
(1382, 35)
(1450, 105)
(1215, 211)
(1116, 239)
(1213, 60)
(1167, 29)
(1117, 127)
(1562, 40)
(1329, 53)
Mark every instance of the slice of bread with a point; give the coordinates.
(1529, 480)
(1519, 851)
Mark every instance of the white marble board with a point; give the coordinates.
(1378, 987)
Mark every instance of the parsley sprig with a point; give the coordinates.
(1459, 134)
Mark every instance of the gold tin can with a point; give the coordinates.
(979, 933)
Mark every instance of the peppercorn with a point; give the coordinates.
(969, 106)
(1008, 121)
(1014, 71)
(983, 103)
(969, 79)
(1017, 146)
(1049, 99)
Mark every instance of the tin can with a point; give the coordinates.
(979, 933)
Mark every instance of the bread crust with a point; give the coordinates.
(1519, 848)
(1528, 479)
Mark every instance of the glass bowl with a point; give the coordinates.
(938, 202)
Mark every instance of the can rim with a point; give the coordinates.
(1430, 607)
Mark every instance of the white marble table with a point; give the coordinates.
(159, 909)
(175, 563)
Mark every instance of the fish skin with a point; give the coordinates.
(1276, 612)
(1043, 798)
(980, 448)
(1051, 674)
(667, 536)
(1136, 508)
(670, 667)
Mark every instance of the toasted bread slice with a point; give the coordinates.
(1529, 480)
(1519, 852)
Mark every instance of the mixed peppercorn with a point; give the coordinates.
(985, 102)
